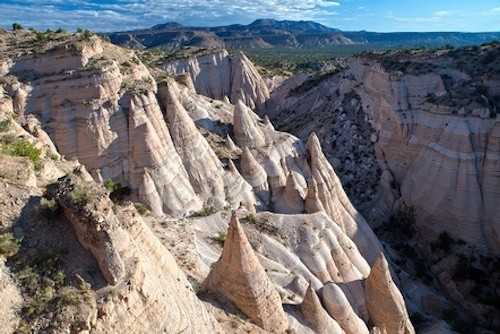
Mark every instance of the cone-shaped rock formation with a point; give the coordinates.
(336, 203)
(316, 315)
(254, 174)
(385, 303)
(339, 308)
(239, 276)
(246, 128)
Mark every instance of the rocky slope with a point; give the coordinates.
(415, 130)
(99, 115)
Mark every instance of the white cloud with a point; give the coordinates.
(441, 13)
(495, 10)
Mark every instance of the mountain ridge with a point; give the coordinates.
(265, 33)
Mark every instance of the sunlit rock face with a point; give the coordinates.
(219, 75)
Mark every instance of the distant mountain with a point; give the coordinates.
(266, 33)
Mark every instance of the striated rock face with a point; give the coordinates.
(239, 276)
(255, 175)
(385, 302)
(420, 134)
(150, 291)
(319, 320)
(192, 148)
(336, 203)
(246, 128)
(219, 75)
(339, 308)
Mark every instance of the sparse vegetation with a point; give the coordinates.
(250, 218)
(17, 26)
(117, 192)
(9, 246)
(20, 147)
(207, 210)
(81, 194)
(143, 209)
(221, 238)
(49, 208)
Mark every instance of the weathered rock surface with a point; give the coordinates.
(239, 276)
(317, 316)
(384, 301)
(419, 128)
(339, 308)
(219, 75)
(151, 291)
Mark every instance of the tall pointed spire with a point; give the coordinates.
(316, 315)
(385, 303)
(239, 276)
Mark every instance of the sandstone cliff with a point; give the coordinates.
(219, 75)
(104, 117)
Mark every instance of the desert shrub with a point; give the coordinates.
(117, 192)
(87, 33)
(250, 218)
(20, 147)
(444, 242)
(221, 238)
(49, 208)
(207, 210)
(17, 26)
(9, 246)
(403, 222)
(481, 90)
(142, 209)
(5, 124)
(81, 194)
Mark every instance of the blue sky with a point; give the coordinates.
(371, 15)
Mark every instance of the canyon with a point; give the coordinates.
(200, 197)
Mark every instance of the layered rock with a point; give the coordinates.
(246, 128)
(255, 175)
(219, 76)
(150, 291)
(193, 148)
(239, 276)
(319, 320)
(339, 308)
(384, 301)
(336, 203)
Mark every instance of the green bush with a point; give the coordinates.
(49, 208)
(81, 194)
(117, 192)
(9, 246)
(206, 211)
(250, 218)
(20, 147)
(221, 238)
(142, 209)
(5, 124)
(17, 26)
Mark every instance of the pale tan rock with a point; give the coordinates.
(150, 293)
(239, 192)
(338, 307)
(11, 299)
(246, 128)
(336, 203)
(385, 303)
(319, 320)
(230, 145)
(292, 200)
(223, 77)
(206, 177)
(239, 276)
(255, 175)
(267, 122)
(247, 84)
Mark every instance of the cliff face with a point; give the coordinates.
(424, 131)
(175, 150)
(219, 75)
